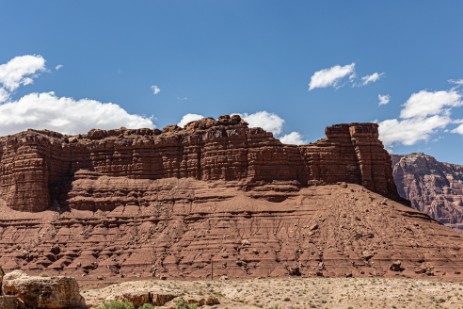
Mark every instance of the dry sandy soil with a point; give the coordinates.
(300, 293)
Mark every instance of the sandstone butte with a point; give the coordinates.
(214, 199)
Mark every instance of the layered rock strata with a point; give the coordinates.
(433, 187)
(198, 229)
(39, 169)
(215, 199)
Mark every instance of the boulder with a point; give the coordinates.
(161, 298)
(43, 292)
(136, 298)
(397, 266)
(8, 302)
(212, 301)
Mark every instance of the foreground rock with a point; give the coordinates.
(433, 187)
(43, 292)
(138, 298)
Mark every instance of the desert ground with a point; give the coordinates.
(297, 293)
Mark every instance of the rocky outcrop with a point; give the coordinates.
(43, 292)
(213, 200)
(41, 170)
(433, 187)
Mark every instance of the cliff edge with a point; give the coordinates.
(42, 170)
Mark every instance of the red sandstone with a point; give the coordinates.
(214, 199)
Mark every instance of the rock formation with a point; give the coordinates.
(433, 187)
(42, 170)
(215, 199)
(43, 292)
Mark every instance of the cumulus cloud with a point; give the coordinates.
(271, 122)
(186, 119)
(58, 67)
(426, 103)
(424, 113)
(458, 130)
(156, 90)
(294, 138)
(49, 111)
(367, 79)
(268, 121)
(330, 77)
(384, 99)
(65, 115)
(410, 131)
(4, 95)
(20, 71)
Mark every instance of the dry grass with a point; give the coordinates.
(303, 293)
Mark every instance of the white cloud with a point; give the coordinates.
(48, 111)
(424, 113)
(426, 103)
(65, 115)
(186, 119)
(294, 138)
(330, 77)
(384, 99)
(458, 82)
(371, 78)
(4, 95)
(410, 131)
(458, 130)
(59, 67)
(20, 71)
(156, 90)
(268, 121)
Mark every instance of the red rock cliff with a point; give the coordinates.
(433, 187)
(42, 170)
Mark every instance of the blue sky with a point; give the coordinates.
(63, 62)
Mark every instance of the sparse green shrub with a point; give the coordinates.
(182, 304)
(146, 306)
(116, 304)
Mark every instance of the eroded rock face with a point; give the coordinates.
(43, 292)
(199, 229)
(214, 200)
(433, 187)
(41, 170)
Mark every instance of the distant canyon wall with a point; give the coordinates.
(433, 187)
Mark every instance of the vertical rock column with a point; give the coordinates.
(24, 179)
(373, 160)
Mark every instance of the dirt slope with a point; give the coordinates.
(331, 230)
